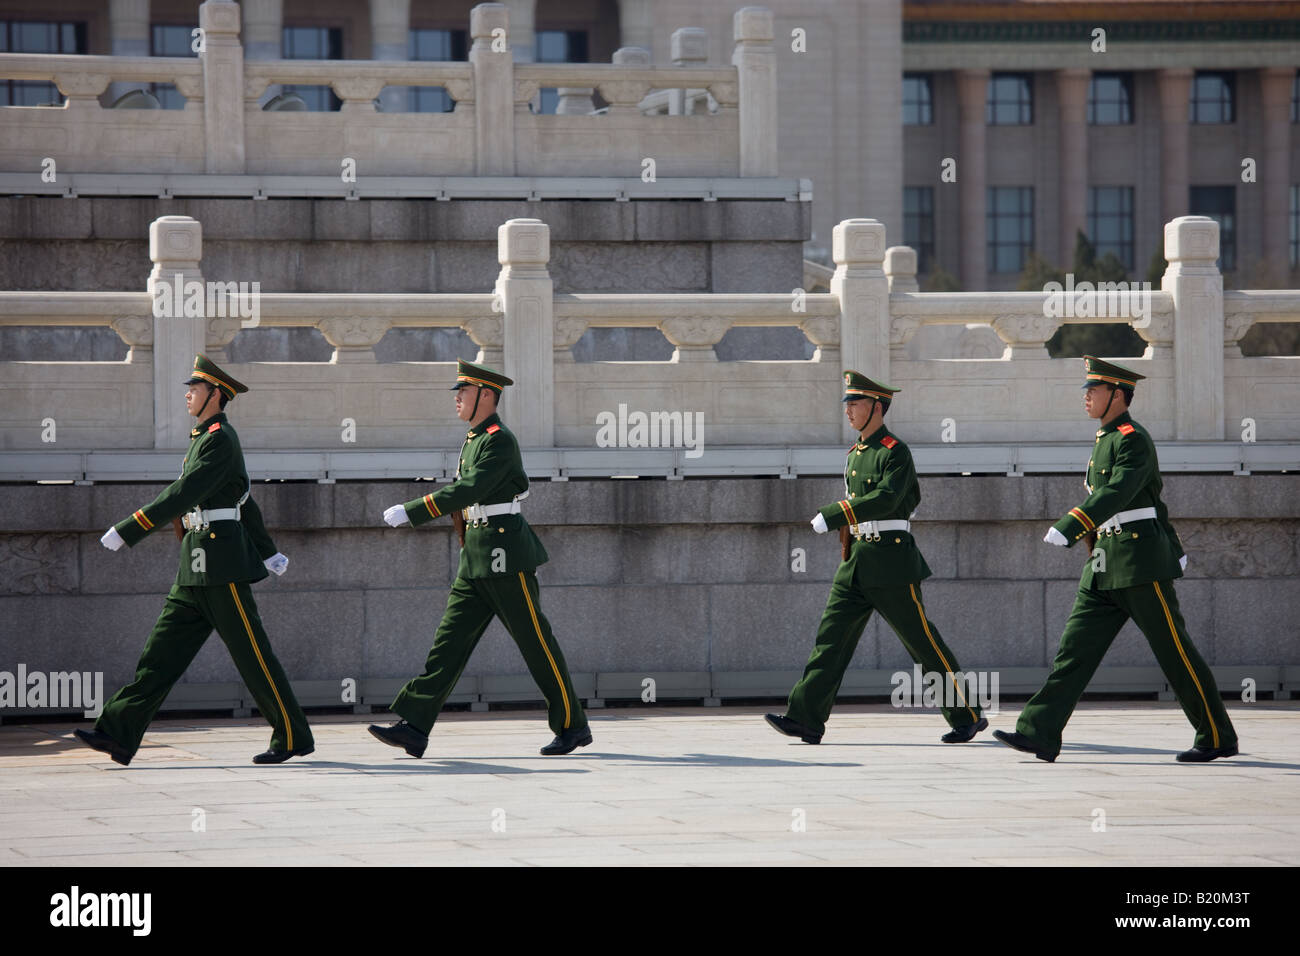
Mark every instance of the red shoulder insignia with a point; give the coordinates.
(1126, 429)
(493, 429)
(889, 441)
(214, 427)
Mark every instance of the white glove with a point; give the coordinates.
(1055, 537)
(819, 524)
(276, 563)
(1182, 563)
(396, 516)
(112, 540)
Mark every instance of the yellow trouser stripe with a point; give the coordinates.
(523, 583)
(947, 668)
(288, 728)
(1173, 632)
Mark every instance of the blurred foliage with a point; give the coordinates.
(940, 281)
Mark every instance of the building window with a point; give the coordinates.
(1220, 204)
(918, 224)
(31, 36)
(1010, 227)
(1010, 100)
(1295, 226)
(442, 46)
(1212, 97)
(1110, 99)
(559, 46)
(918, 101)
(166, 39)
(313, 43)
(1110, 222)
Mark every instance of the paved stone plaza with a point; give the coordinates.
(660, 785)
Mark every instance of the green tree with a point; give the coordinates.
(940, 281)
(1092, 338)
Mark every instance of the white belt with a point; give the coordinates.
(1114, 525)
(480, 513)
(872, 529)
(198, 518)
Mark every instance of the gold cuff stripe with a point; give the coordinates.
(848, 515)
(433, 509)
(288, 728)
(1083, 519)
(853, 518)
(143, 521)
(1173, 632)
(523, 583)
(947, 668)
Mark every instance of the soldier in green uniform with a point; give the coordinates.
(1135, 556)
(225, 549)
(496, 576)
(881, 572)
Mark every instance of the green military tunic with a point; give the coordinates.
(495, 577)
(211, 591)
(882, 573)
(1130, 575)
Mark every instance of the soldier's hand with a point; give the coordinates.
(819, 524)
(1055, 537)
(1182, 563)
(112, 540)
(396, 516)
(276, 563)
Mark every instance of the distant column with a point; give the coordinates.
(972, 93)
(390, 31)
(128, 29)
(1274, 165)
(1072, 98)
(1175, 94)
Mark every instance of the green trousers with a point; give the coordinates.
(471, 605)
(848, 609)
(189, 616)
(1094, 621)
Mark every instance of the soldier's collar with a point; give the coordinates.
(1121, 419)
(484, 425)
(874, 438)
(204, 425)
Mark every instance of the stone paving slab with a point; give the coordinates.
(660, 786)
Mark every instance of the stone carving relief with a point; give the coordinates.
(38, 564)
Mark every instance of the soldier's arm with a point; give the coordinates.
(184, 494)
(250, 516)
(881, 501)
(479, 481)
(1132, 473)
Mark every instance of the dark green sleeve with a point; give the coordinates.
(881, 501)
(250, 516)
(493, 466)
(184, 494)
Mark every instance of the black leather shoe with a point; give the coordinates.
(1205, 754)
(1019, 741)
(402, 734)
(280, 756)
(791, 728)
(568, 741)
(965, 733)
(104, 744)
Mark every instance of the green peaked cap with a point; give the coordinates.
(206, 370)
(857, 386)
(1100, 372)
(468, 373)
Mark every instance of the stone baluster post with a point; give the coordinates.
(690, 48)
(176, 247)
(860, 284)
(494, 93)
(900, 269)
(223, 86)
(755, 61)
(527, 297)
(1194, 281)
